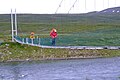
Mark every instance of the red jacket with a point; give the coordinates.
(53, 34)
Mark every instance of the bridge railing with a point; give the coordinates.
(46, 43)
(35, 41)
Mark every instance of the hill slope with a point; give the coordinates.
(96, 28)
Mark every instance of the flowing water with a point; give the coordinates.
(81, 69)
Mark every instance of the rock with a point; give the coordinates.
(1, 53)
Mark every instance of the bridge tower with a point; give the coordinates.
(13, 24)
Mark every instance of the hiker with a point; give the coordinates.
(32, 35)
(53, 35)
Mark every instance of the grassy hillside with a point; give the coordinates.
(73, 29)
(92, 29)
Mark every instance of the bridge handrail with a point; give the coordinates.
(24, 41)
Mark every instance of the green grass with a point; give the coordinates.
(98, 34)
(17, 52)
(73, 29)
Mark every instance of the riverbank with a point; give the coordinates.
(16, 52)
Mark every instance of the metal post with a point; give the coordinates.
(23, 40)
(32, 41)
(15, 23)
(39, 41)
(27, 40)
(12, 26)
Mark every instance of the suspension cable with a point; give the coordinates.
(72, 6)
(58, 7)
(52, 16)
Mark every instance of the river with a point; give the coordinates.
(80, 69)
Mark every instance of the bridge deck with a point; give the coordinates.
(32, 43)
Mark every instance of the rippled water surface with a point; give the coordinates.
(82, 69)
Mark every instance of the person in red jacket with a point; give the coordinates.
(53, 35)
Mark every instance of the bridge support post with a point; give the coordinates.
(23, 40)
(32, 41)
(39, 41)
(27, 40)
(13, 24)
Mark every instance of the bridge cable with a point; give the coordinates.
(72, 6)
(54, 15)
(58, 6)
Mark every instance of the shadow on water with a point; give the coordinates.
(81, 69)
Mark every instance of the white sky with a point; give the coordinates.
(50, 6)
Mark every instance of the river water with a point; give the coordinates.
(81, 69)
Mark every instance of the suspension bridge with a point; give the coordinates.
(45, 42)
